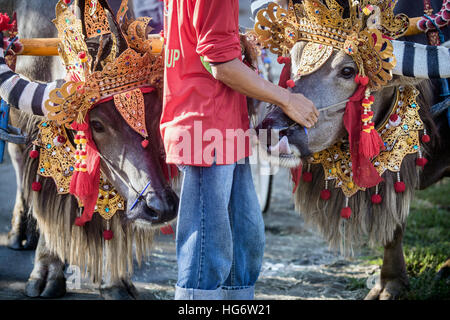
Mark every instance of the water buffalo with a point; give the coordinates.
(126, 165)
(383, 223)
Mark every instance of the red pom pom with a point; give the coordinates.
(393, 117)
(79, 222)
(4, 23)
(376, 199)
(346, 212)
(283, 60)
(372, 99)
(108, 235)
(290, 83)
(357, 79)
(34, 154)
(364, 81)
(399, 187)
(426, 138)
(421, 162)
(82, 55)
(67, 1)
(325, 194)
(36, 186)
(79, 126)
(61, 139)
(145, 143)
(307, 176)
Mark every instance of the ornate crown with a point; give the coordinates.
(363, 30)
(97, 78)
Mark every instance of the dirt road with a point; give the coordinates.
(297, 263)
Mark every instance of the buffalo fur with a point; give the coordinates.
(371, 224)
(82, 246)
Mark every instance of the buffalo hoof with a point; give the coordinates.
(54, 289)
(48, 289)
(387, 290)
(15, 241)
(34, 287)
(123, 290)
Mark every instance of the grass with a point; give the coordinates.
(426, 244)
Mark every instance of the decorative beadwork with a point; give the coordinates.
(58, 162)
(336, 161)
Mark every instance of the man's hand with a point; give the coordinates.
(239, 77)
(301, 110)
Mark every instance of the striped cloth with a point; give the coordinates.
(22, 93)
(421, 61)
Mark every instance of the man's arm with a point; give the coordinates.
(239, 77)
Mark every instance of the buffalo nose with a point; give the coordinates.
(163, 204)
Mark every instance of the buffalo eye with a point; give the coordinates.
(97, 126)
(347, 72)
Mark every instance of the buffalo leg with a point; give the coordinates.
(122, 289)
(47, 279)
(23, 226)
(393, 278)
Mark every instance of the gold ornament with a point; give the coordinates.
(57, 161)
(400, 140)
(130, 104)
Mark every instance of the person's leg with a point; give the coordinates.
(204, 243)
(248, 236)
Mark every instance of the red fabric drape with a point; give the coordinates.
(364, 173)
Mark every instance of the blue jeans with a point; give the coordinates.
(220, 234)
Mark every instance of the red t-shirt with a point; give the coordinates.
(202, 117)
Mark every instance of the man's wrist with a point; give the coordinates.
(285, 98)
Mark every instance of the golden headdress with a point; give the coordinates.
(362, 29)
(102, 59)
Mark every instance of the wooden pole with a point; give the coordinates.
(49, 46)
(412, 29)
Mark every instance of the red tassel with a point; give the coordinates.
(346, 212)
(108, 235)
(421, 162)
(399, 187)
(36, 186)
(426, 138)
(325, 194)
(34, 154)
(376, 199)
(370, 143)
(307, 176)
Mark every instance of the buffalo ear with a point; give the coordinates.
(403, 81)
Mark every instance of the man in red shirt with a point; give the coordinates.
(220, 231)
